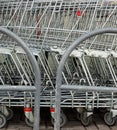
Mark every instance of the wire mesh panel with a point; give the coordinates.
(57, 22)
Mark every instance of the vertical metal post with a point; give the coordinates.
(61, 65)
(36, 71)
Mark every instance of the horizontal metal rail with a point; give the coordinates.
(17, 88)
(89, 88)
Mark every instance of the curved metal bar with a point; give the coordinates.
(61, 65)
(36, 71)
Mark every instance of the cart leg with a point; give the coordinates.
(63, 118)
(7, 112)
(10, 114)
(86, 117)
(29, 118)
(3, 120)
(79, 111)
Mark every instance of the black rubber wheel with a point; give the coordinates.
(63, 120)
(109, 120)
(85, 120)
(3, 120)
(11, 114)
(103, 110)
(78, 116)
(28, 123)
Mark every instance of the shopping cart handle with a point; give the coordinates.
(89, 88)
(17, 88)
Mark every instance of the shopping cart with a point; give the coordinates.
(49, 27)
(96, 94)
(8, 89)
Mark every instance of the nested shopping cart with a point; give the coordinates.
(98, 94)
(49, 27)
(9, 89)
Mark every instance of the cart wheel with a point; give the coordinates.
(78, 116)
(2, 120)
(103, 110)
(85, 120)
(109, 120)
(10, 114)
(63, 120)
(28, 123)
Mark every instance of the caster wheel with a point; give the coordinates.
(85, 120)
(2, 120)
(63, 120)
(109, 120)
(103, 110)
(78, 116)
(10, 116)
(28, 123)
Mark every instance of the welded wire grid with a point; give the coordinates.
(42, 24)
